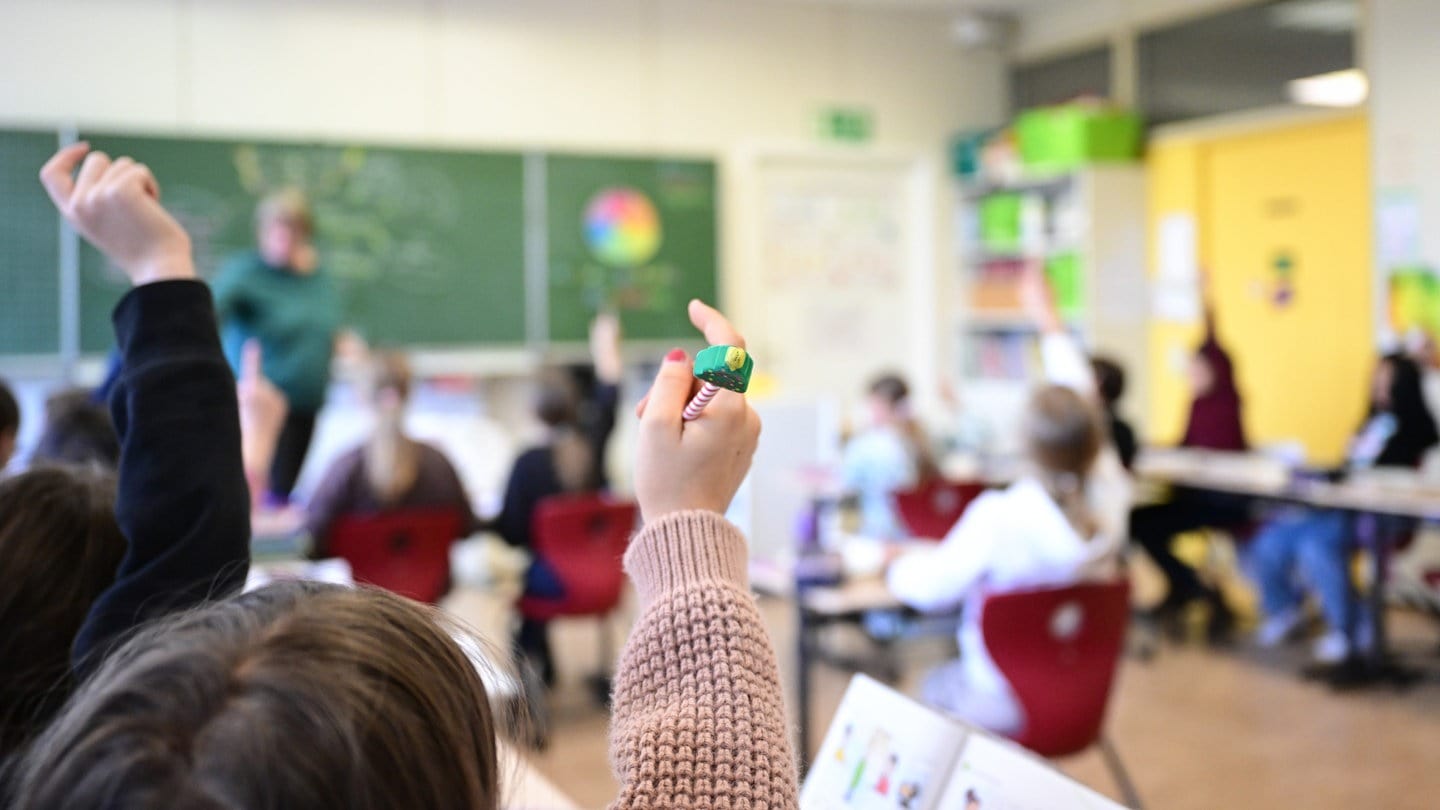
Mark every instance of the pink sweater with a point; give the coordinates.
(699, 721)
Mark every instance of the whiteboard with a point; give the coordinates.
(839, 274)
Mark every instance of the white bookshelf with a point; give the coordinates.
(1096, 213)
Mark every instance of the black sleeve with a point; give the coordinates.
(1126, 445)
(183, 504)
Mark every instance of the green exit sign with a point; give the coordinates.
(850, 124)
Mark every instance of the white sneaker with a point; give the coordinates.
(1331, 648)
(1278, 629)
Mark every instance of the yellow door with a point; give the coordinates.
(1284, 222)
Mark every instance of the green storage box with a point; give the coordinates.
(1061, 138)
(1000, 222)
(1066, 275)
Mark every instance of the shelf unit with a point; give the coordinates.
(1089, 228)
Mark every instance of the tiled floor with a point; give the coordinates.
(1200, 730)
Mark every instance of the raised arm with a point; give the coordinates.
(699, 720)
(182, 505)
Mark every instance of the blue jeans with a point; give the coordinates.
(1304, 547)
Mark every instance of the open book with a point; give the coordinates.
(884, 750)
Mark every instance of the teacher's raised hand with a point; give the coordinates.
(115, 204)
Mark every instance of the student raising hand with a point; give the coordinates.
(115, 205)
(698, 670)
(182, 503)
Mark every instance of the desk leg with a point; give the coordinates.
(803, 653)
(1375, 665)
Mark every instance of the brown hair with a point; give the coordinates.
(1064, 435)
(77, 430)
(893, 389)
(296, 695)
(392, 459)
(557, 398)
(59, 549)
(287, 205)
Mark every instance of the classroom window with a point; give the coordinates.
(1060, 79)
(1242, 59)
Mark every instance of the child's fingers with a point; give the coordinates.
(712, 324)
(58, 173)
(140, 176)
(91, 171)
(669, 394)
(251, 362)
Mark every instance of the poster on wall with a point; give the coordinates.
(1176, 292)
(1412, 287)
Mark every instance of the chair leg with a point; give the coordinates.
(1121, 776)
(600, 681)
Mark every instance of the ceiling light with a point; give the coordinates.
(1343, 88)
(1321, 16)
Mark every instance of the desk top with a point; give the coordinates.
(525, 788)
(1390, 492)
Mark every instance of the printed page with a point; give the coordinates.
(883, 751)
(996, 775)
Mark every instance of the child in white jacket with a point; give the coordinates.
(1062, 522)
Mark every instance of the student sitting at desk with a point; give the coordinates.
(1062, 522)
(571, 460)
(390, 470)
(889, 455)
(1397, 433)
(1214, 424)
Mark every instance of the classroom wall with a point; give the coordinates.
(1401, 57)
(708, 77)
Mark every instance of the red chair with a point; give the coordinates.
(1058, 648)
(931, 510)
(582, 538)
(405, 550)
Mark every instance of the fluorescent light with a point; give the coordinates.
(1343, 88)
(1321, 16)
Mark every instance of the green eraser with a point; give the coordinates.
(726, 366)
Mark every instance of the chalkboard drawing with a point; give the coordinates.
(622, 227)
(375, 212)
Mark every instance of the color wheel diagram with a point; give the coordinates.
(622, 227)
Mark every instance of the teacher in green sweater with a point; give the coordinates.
(279, 295)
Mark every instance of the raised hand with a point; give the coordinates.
(115, 204)
(605, 347)
(262, 415)
(699, 464)
(1038, 299)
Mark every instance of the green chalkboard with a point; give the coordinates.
(427, 246)
(29, 247)
(635, 235)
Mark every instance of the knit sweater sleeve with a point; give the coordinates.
(699, 720)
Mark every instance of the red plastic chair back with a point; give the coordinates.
(405, 550)
(1058, 648)
(931, 510)
(583, 539)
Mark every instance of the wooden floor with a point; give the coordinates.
(1199, 729)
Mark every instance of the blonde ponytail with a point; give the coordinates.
(1065, 434)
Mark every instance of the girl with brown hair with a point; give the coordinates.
(390, 470)
(311, 696)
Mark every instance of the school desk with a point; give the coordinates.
(1362, 497)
